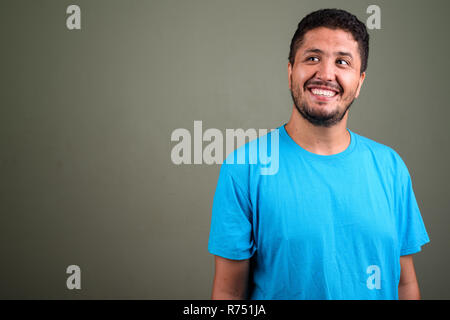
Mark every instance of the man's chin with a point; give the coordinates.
(323, 121)
(320, 113)
(318, 118)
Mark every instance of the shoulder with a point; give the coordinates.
(254, 158)
(382, 154)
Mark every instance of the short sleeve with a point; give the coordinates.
(411, 229)
(231, 222)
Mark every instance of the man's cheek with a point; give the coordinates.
(350, 95)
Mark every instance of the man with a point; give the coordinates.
(339, 220)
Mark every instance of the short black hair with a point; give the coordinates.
(333, 19)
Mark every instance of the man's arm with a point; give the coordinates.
(408, 288)
(230, 279)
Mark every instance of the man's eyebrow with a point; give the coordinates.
(338, 53)
(342, 53)
(312, 50)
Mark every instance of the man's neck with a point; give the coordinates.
(316, 139)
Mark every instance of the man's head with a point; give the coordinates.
(327, 63)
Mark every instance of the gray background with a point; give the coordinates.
(86, 117)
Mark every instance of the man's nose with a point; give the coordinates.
(326, 70)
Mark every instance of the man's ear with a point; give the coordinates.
(361, 80)
(289, 74)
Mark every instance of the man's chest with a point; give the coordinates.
(323, 208)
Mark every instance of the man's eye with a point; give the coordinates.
(311, 59)
(340, 61)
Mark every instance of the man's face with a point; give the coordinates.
(325, 77)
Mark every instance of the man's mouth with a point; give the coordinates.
(322, 93)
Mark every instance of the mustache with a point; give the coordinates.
(334, 86)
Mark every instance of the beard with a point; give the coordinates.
(315, 117)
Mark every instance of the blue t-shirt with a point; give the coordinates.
(318, 227)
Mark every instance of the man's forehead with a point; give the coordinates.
(326, 37)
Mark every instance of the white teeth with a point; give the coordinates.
(321, 92)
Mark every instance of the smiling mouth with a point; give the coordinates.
(323, 94)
